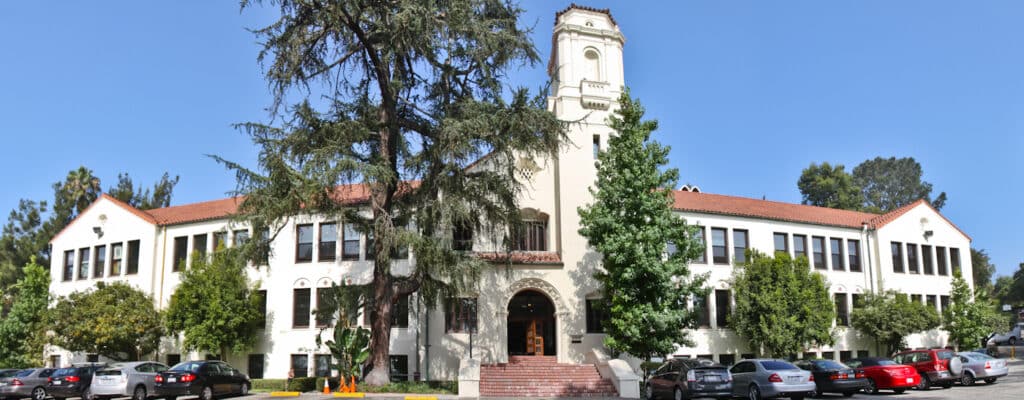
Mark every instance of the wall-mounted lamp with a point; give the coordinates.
(98, 231)
(928, 234)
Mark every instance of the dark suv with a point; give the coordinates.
(684, 378)
(72, 382)
(937, 367)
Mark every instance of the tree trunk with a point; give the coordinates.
(380, 331)
(224, 353)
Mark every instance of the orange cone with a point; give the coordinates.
(352, 388)
(344, 387)
(327, 388)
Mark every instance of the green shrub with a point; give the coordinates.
(332, 383)
(305, 384)
(268, 384)
(414, 387)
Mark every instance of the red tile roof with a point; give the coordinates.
(196, 212)
(522, 257)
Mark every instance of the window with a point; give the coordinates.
(926, 258)
(328, 247)
(180, 253)
(460, 315)
(116, 255)
(220, 239)
(256, 366)
(597, 145)
(199, 244)
(300, 309)
(702, 257)
(781, 242)
(818, 247)
(399, 364)
(932, 301)
(304, 243)
(241, 237)
(400, 313)
(799, 246)
(845, 355)
(862, 354)
(595, 316)
(173, 359)
(671, 249)
(592, 71)
(836, 252)
(69, 265)
(739, 251)
(940, 257)
(263, 308)
(842, 310)
(371, 252)
(93, 358)
(55, 361)
(462, 237)
(727, 359)
(915, 298)
(809, 355)
(828, 355)
(133, 257)
(853, 254)
(700, 307)
(856, 301)
(101, 261)
(532, 236)
(912, 258)
(954, 259)
(349, 243)
(323, 364)
(897, 256)
(719, 246)
(83, 263)
(723, 308)
(300, 365)
(944, 302)
(322, 321)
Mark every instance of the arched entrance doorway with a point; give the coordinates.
(531, 324)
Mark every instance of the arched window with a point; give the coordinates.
(592, 65)
(533, 234)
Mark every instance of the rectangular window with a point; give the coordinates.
(926, 259)
(83, 263)
(944, 303)
(700, 307)
(915, 298)
(845, 355)
(781, 242)
(462, 237)
(723, 308)
(55, 361)
(912, 258)
(460, 315)
(241, 237)
(597, 145)
(349, 243)
(932, 301)
(897, 256)
(799, 246)
(400, 313)
(853, 253)
(727, 359)
(954, 259)
(256, 366)
(173, 359)
(719, 246)
(220, 239)
(369, 253)
(133, 257)
(199, 244)
(180, 253)
(863, 354)
(595, 316)
(399, 367)
(116, 255)
(300, 309)
(836, 252)
(842, 310)
(533, 236)
(809, 355)
(828, 355)
(323, 364)
(300, 365)
(328, 247)
(263, 308)
(69, 265)
(856, 300)
(101, 261)
(304, 243)
(740, 244)
(818, 247)
(322, 321)
(940, 257)
(703, 257)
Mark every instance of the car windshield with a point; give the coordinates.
(944, 355)
(886, 362)
(777, 365)
(108, 372)
(186, 367)
(24, 373)
(829, 364)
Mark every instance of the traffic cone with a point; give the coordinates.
(353, 386)
(344, 387)
(327, 388)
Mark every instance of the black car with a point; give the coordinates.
(832, 376)
(205, 379)
(684, 378)
(73, 381)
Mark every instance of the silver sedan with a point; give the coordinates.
(135, 379)
(767, 378)
(979, 366)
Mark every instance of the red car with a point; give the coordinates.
(937, 367)
(884, 373)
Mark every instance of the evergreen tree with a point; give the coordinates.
(891, 183)
(115, 320)
(23, 330)
(889, 317)
(632, 225)
(415, 96)
(781, 306)
(830, 186)
(969, 318)
(144, 199)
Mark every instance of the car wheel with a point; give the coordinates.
(990, 380)
(245, 389)
(871, 388)
(139, 393)
(899, 391)
(87, 394)
(925, 383)
(753, 393)
(207, 393)
(649, 392)
(847, 394)
(967, 379)
(1012, 341)
(39, 393)
(678, 394)
(797, 397)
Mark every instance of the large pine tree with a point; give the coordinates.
(414, 95)
(631, 223)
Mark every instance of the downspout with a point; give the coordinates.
(163, 265)
(426, 346)
(867, 248)
(419, 313)
(558, 205)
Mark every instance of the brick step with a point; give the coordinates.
(536, 382)
(543, 377)
(547, 393)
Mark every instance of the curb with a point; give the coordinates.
(285, 394)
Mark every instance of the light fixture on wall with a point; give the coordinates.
(98, 231)
(928, 234)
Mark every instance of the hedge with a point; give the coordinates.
(316, 384)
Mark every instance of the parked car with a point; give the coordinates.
(832, 376)
(883, 373)
(205, 379)
(981, 366)
(766, 378)
(74, 381)
(26, 383)
(1011, 338)
(135, 379)
(937, 367)
(684, 378)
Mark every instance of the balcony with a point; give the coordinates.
(595, 95)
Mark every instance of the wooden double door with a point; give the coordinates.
(531, 325)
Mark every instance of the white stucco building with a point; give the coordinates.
(545, 293)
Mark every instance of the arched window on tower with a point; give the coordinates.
(533, 233)
(592, 65)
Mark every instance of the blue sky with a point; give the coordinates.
(748, 93)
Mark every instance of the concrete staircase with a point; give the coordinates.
(543, 376)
